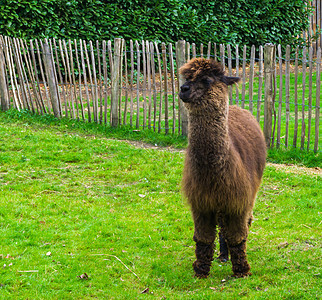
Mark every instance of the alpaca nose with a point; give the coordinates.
(185, 88)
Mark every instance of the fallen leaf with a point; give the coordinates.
(83, 276)
(282, 245)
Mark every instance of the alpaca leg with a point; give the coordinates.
(235, 228)
(241, 268)
(223, 256)
(204, 236)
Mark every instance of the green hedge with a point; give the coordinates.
(223, 21)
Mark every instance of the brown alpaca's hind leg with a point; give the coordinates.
(223, 256)
(235, 229)
(204, 236)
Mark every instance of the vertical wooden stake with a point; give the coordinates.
(115, 81)
(318, 98)
(161, 85)
(280, 98)
(269, 69)
(287, 92)
(194, 54)
(310, 98)
(230, 73)
(251, 78)
(260, 83)
(222, 55)
(137, 84)
(296, 118)
(4, 97)
(244, 77)
(183, 112)
(237, 74)
(51, 80)
(144, 84)
(165, 74)
(303, 98)
(105, 81)
(131, 81)
(173, 88)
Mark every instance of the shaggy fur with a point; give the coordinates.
(223, 168)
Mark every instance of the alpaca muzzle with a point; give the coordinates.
(185, 93)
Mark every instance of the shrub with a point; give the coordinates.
(236, 22)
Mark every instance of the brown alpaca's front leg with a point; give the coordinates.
(235, 230)
(241, 268)
(204, 236)
(204, 254)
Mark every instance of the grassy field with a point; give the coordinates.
(76, 200)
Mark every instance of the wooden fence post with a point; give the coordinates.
(4, 97)
(53, 84)
(318, 98)
(181, 59)
(269, 69)
(115, 82)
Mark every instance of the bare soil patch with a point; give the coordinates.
(287, 168)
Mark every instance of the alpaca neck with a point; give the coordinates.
(209, 139)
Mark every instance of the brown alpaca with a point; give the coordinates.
(223, 168)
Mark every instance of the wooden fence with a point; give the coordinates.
(315, 25)
(137, 84)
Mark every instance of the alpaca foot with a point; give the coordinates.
(241, 267)
(204, 255)
(223, 258)
(242, 275)
(201, 269)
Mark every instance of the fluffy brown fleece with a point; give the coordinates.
(224, 165)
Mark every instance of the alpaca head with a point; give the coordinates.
(206, 84)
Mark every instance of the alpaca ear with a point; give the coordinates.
(230, 80)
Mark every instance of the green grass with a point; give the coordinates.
(281, 155)
(103, 207)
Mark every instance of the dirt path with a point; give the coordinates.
(287, 168)
(290, 168)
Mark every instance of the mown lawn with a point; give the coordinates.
(75, 202)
